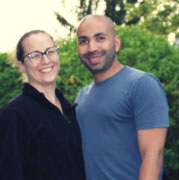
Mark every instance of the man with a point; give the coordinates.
(123, 114)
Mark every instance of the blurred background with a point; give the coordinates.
(149, 31)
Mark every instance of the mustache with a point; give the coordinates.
(94, 53)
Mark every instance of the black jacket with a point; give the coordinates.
(37, 142)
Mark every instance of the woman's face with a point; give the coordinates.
(41, 71)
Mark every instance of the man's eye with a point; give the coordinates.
(100, 38)
(83, 41)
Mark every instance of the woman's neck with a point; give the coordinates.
(49, 93)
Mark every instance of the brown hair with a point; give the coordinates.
(19, 47)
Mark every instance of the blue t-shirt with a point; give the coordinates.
(110, 113)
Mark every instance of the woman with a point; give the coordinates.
(39, 136)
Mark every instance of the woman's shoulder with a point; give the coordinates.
(17, 104)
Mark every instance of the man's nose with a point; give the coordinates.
(92, 46)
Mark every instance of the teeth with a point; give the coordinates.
(93, 58)
(46, 69)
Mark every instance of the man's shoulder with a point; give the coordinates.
(86, 88)
(139, 75)
(84, 91)
(133, 72)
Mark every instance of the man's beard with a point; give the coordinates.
(108, 61)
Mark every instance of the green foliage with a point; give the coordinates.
(160, 17)
(142, 50)
(115, 9)
(10, 80)
(73, 75)
(86, 7)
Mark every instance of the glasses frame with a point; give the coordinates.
(42, 53)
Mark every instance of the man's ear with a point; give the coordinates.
(21, 66)
(117, 43)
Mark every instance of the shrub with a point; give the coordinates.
(10, 80)
(73, 75)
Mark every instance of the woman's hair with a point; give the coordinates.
(19, 47)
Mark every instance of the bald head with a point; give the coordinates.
(98, 44)
(100, 18)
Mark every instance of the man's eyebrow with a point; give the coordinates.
(100, 33)
(95, 35)
(82, 37)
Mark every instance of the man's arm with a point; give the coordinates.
(151, 144)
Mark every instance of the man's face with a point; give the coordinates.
(96, 45)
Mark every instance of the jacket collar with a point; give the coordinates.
(33, 92)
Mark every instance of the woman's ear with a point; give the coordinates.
(21, 66)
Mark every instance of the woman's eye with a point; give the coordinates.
(50, 52)
(33, 55)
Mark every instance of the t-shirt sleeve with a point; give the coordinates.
(11, 146)
(149, 102)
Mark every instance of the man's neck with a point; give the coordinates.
(116, 67)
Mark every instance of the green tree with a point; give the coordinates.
(115, 9)
(10, 79)
(84, 8)
(73, 75)
(158, 16)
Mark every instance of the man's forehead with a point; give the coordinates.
(94, 21)
(95, 18)
(93, 29)
(94, 25)
(84, 36)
